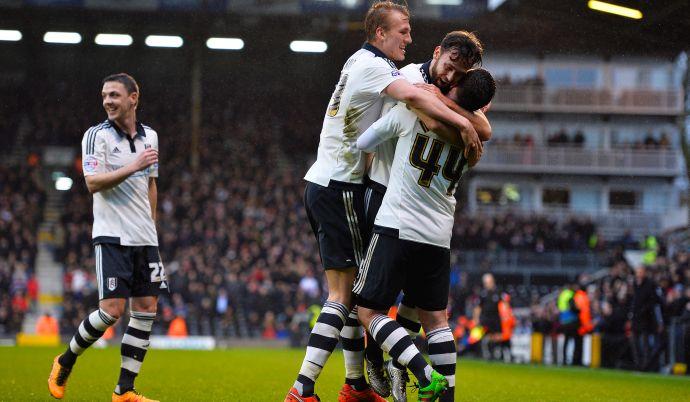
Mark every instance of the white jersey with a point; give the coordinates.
(122, 214)
(356, 104)
(380, 169)
(419, 203)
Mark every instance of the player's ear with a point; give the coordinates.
(437, 52)
(134, 96)
(380, 32)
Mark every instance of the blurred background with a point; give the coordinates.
(583, 184)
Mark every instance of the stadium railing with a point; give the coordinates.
(537, 98)
(520, 262)
(573, 160)
(611, 224)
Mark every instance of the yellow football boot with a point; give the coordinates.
(57, 381)
(131, 396)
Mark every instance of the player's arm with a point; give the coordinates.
(430, 105)
(153, 196)
(477, 119)
(385, 128)
(107, 180)
(369, 160)
(449, 134)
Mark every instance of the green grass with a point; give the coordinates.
(266, 375)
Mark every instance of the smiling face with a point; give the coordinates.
(447, 70)
(117, 103)
(394, 37)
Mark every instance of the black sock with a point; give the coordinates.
(373, 352)
(359, 384)
(68, 358)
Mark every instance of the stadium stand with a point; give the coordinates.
(21, 207)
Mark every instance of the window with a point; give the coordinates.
(586, 78)
(559, 77)
(555, 197)
(622, 199)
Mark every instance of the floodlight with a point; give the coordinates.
(10, 35)
(70, 38)
(308, 46)
(614, 9)
(104, 39)
(163, 41)
(225, 43)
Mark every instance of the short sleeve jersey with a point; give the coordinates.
(380, 169)
(355, 104)
(122, 214)
(419, 203)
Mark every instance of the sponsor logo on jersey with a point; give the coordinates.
(90, 164)
(112, 283)
(395, 73)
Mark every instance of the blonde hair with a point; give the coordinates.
(377, 16)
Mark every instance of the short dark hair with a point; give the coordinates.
(125, 79)
(377, 16)
(476, 89)
(464, 45)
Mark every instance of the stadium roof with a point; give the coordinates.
(569, 26)
(534, 26)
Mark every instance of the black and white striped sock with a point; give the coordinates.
(443, 356)
(135, 343)
(89, 331)
(408, 318)
(352, 338)
(322, 342)
(397, 343)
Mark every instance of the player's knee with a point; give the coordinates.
(365, 315)
(432, 320)
(113, 307)
(144, 305)
(339, 296)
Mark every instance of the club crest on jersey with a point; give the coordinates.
(112, 283)
(90, 164)
(147, 146)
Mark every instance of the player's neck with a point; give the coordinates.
(128, 125)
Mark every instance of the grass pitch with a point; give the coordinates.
(266, 375)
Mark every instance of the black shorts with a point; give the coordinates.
(391, 264)
(336, 214)
(129, 271)
(373, 198)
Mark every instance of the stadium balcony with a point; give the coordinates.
(612, 223)
(574, 160)
(531, 263)
(541, 99)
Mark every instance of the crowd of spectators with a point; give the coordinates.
(649, 142)
(238, 252)
(21, 207)
(577, 139)
(634, 307)
(512, 232)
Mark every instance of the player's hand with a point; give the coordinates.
(473, 145)
(486, 108)
(474, 155)
(145, 159)
(433, 89)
